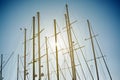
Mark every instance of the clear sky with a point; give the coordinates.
(104, 16)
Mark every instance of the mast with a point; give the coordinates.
(105, 62)
(1, 78)
(39, 59)
(103, 57)
(93, 50)
(70, 44)
(25, 53)
(33, 47)
(47, 59)
(18, 68)
(83, 56)
(55, 33)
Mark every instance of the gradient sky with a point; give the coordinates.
(104, 16)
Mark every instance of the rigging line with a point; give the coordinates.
(9, 70)
(78, 75)
(28, 49)
(64, 64)
(102, 70)
(83, 55)
(21, 76)
(51, 72)
(64, 44)
(11, 55)
(36, 54)
(29, 34)
(21, 62)
(102, 55)
(67, 64)
(60, 32)
(13, 64)
(69, 37)
(66, 68)
(53, 68)
(62, 51)
(23, 67)
(100, 65)
(28, 54)
(61, 35)
(58, 64)
(93, 49)
(80, 65)
(96, 58)
(8, 59)
(28, 78)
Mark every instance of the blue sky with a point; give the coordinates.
(104, 16)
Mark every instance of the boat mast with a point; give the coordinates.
(47, 58)
(55, 33)
(39, 59)
(103, 57)
(93, 49)
(18, 68)
(70, 43)
(1, 78)
(83, 56)
(25, 53)
(105, 61)
(33, 47)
